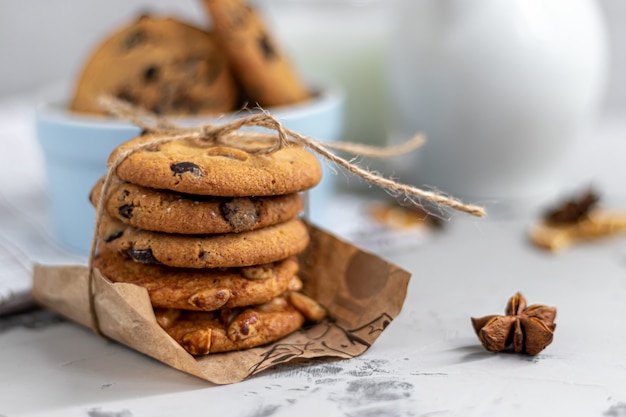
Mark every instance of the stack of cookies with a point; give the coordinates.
(213, 234)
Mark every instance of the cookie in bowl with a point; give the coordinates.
(160, 64)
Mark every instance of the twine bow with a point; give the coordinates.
(230, 134)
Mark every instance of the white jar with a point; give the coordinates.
(503, 90)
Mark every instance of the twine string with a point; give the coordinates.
(229, 134)
(108, 179)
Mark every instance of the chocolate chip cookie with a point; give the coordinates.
(170, 212)
(268, 78)
(194, 166)
(269, 244)
(201, 333)
(202, 289)
(160, 64)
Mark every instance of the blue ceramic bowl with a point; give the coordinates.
(76, 148)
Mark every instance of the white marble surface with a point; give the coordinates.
(428, 362)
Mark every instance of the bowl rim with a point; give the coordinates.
(328, 94)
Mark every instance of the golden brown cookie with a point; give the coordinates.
(193, 166)
(162, 65)
(166, 211)
(270, 244)
(225, 330)
(268, 77)
(203, 289)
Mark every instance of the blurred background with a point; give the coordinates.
(42, 41)
(352, 42)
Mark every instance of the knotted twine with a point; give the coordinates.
(228, 134)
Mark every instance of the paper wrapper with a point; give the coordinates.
(362, 293)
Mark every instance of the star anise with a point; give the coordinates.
(573, 210)
(527, 329)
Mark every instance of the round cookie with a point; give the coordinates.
(202, 289)
(267, 76)
(270, 244)
(166, 211)
(162, 65)
(193, 166)
(202, 332)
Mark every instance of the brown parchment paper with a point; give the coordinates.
(362, 292)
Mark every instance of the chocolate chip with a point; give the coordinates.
(126, 211)
(151, 73)
(143, 256)
(113, 236)
(182, 167)
(573, 210)
(214, 68)
(134, 39)
(267, 48)
(241, 214)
